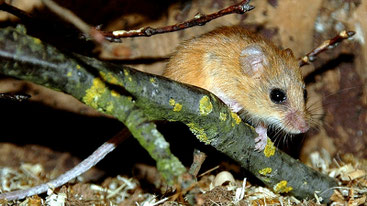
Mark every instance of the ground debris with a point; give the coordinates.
(219, 189)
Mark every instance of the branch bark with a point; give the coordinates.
(27, 58)
(327, 44)
(199, 20)
(107, 88)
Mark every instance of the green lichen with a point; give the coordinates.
(167, 167)
(21, 29)
(205, 106)
(37, 46)
(126, 72)
(222, 116)
(109, 107)
(37, 41)
(265, 179)
(198, 132)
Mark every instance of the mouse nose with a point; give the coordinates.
(297, 121)
(304, 127)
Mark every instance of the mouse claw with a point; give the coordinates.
(260, 143)
(262, 139)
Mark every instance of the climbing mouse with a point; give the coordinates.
(249, 74)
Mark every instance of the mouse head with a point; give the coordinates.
(276, 88)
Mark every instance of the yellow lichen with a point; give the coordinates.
(265, 171)
(214, 98)
(236, 117)
(93, 94)
(109, 107)
(269, 148)
(130, 79)
(78, 66)
(222, 116)
(265, 179)
(281, 187)
(69, 74)
(152, 80)
(205, 106)
(37, 41)
(110, 78)
(126, 72)
(177, 107)
(198, 132)
(15, 36)
(115, 93)
(171, 120)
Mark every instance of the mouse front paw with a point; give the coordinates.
(262, 139)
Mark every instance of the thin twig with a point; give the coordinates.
(13, 10)
(79, 169)
(76, 21)
(198, 20)
(328, 44)
(116, 36)
(15, 97)
(199, 158)
(208, 171)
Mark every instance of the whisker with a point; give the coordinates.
(278, 136)
(285, 141)
(309, 105)
(341, 91)
(290, 140)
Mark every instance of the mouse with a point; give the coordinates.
(251, 75)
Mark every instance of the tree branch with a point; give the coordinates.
(13, 10)
(28, 58)
(103, 86)
(82, 167)
(116, 36)
(198, 20)
(69, 16)
(327, 44)
(14, 97)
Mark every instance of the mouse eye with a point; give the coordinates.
(277, 96)
(305, 94)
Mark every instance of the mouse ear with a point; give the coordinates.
(288, 52)
(253, 60)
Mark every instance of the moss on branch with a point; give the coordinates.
(27, 58)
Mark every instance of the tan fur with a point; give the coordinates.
(211, 61)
